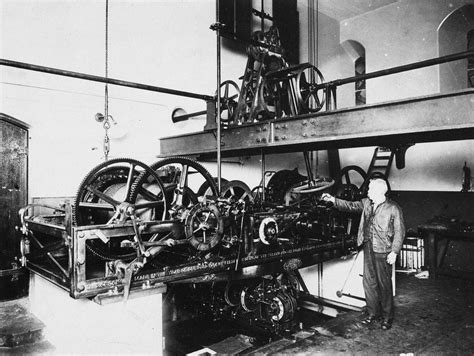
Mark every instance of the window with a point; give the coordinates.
(360, 97)
(470, 60)
(456, 35)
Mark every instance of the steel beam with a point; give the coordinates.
(440, 117)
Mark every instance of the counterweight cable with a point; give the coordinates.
(106, 89)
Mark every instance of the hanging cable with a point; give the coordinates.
(310, 31)
(106, 123)
(312, 59)
(218, 103)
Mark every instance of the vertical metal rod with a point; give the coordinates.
(263, 19)
(106, 58)
(320, 279)
(309, 170)
(316, 49)
(311, 59)
(235, 15)
(218, 102)
(263, 175)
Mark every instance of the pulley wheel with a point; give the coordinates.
(232, 293)
(309, 94)
(229, 92)
(204, 226)
(268, 230)
(270, 96)
(249, 299)
(350, 183)
(238, 190)
(205, 189)
(281, 308)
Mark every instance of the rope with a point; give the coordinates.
(106, 94)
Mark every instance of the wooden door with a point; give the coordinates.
(13, 185)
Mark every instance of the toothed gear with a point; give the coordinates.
(105, 188)
(189, 197)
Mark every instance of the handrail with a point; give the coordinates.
(96, 78)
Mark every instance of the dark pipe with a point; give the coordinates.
(187, 116)
(403, 68)
(340, 294)
(95, 78)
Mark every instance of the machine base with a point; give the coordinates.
(83, 326)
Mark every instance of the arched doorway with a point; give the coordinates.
(455, 34)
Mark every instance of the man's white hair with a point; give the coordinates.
(380, 182)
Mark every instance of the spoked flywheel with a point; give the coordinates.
(204, 226)
(350, 183)
(229, 92)
(237, 190)
(309, 93)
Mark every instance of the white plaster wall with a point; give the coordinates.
(401, 33)
(157, 42)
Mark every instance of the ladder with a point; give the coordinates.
(381, 163)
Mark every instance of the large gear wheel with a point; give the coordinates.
(110, 186)
(237, 190)
(109, 193)
(183, 177)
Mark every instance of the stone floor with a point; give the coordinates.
(432, 317)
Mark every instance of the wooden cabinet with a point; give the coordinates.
(13, 185)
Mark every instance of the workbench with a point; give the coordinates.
(439, 238)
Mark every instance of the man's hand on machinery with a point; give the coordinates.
(328, 197)
(169, 242)
(391, 258)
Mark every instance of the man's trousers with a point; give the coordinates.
(377, 282)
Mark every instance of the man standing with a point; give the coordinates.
(381, 232)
